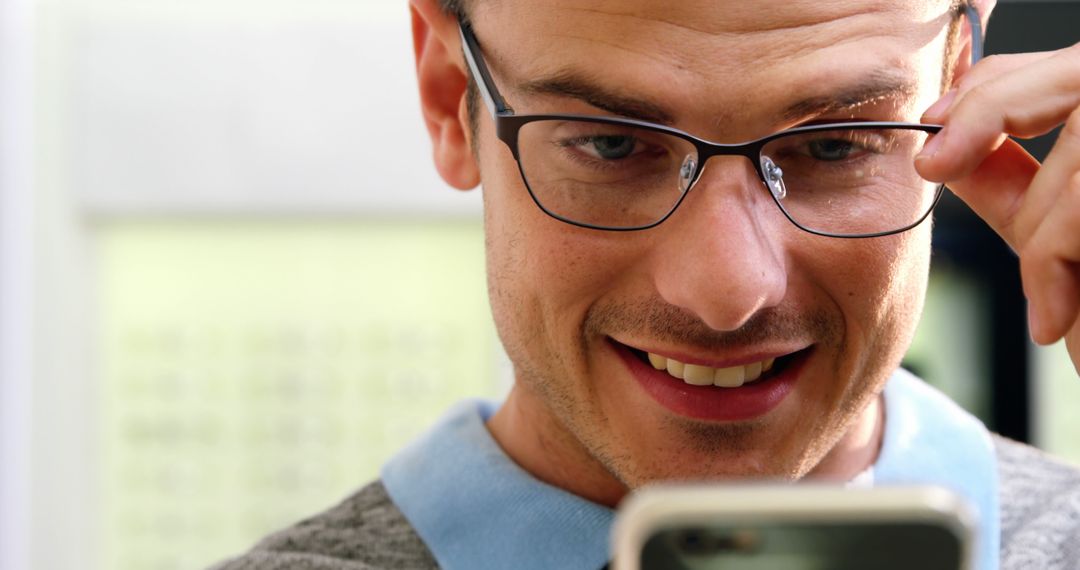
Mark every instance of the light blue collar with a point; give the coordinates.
(931, 440)
(475, 508)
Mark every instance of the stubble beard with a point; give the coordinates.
(763, 454)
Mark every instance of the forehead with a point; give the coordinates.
(714, 55)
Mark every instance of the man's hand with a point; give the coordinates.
(1035, 209)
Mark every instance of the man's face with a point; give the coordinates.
(727, 281)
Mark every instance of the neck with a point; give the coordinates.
(537, 442)
(857, 449)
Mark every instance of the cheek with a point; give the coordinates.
(548, 274)
(543, 274)
(904, 263)
(879, 285)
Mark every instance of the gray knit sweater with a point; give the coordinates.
(1040, 525)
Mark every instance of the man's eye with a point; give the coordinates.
(611, 147)
(830, 149)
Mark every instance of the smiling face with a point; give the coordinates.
(727, 285)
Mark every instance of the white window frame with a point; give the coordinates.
(16, 279)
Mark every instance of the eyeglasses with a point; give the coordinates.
(848, 180)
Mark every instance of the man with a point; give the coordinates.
(677, 309)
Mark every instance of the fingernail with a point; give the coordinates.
(937, 110)
(1033, 323)
(932, 146)
(1037, 324)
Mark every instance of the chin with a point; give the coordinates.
(697, 451)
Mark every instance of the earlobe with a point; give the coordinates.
(442, 82)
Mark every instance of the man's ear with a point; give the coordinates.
(963, 62)
(442, 80)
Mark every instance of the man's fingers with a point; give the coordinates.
(1056, 177)
(1047, 232)
(978, 119)
(1037, 211)
(991, 67)
(995, 191)
(1050, 267)
(1054, 306)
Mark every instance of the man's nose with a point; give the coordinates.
(722, 254)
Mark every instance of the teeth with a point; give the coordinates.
(753, 371)
(697, 375)
(730, 377)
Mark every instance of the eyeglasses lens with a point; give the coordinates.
(852, 181)
(848, 181)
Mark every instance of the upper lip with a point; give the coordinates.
(736, 357)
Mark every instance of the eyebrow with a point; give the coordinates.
(576, 86)
(880, 85)
(877, 86)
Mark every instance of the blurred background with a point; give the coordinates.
(231, 284)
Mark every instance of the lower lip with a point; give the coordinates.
(713, 403)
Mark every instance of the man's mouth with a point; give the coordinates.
(729, 377)
(747, 387)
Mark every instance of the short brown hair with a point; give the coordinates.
(455, 7)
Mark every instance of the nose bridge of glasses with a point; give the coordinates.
(727, 153)
(730, 176)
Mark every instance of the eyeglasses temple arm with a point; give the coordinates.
(975, 21)
(491, 96)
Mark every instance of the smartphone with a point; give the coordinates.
(793, 527)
